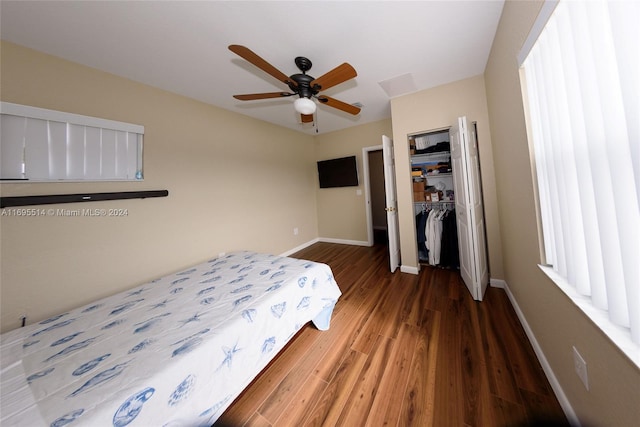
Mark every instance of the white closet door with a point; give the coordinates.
(477, 212)
(391, 202)
(469, 210)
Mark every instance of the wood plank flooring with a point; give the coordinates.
(402, 350)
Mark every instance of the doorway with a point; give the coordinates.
(378, 214)
(374, 189)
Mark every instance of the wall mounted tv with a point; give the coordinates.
(342, 172)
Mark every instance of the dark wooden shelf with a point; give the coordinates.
(79, 197)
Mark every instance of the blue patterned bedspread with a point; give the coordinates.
(172, 352)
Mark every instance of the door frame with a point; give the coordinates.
(367, 189)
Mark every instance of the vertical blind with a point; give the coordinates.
(46, 145)
(582, 85)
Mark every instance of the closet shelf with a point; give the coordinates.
(434, 203)
(430, 156)
(433, 175)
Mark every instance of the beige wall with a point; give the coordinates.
(433, 109)
(234, 183)
(341, 211)
(614, 382)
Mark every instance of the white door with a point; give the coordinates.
(469, 210)
(391, 202)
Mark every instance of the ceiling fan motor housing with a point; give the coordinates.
(304, 88)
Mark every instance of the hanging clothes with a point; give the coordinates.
(449, 256)
(437, 235)
(433, 231)
(421, 223)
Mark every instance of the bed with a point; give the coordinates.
(173, 352)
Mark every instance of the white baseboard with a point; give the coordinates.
(326, 240)
(409, 269)
(553, 380)
(343, 241)
(498, 283)
(299, 248)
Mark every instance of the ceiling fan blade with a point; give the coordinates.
(252, 57)
(332, 102)
(340, 74)
(306, 118)
(252, 96)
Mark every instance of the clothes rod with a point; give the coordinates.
(81, 197)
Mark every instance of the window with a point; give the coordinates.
(45, 145)
(580, 72)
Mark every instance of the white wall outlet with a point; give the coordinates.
(221, 254)
(295, 231)
(581, 368)
(358, 192)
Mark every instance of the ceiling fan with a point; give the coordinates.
(301, 84)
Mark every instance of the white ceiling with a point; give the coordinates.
(181, 46)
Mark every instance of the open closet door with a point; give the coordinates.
(391, 202)
(469, 210)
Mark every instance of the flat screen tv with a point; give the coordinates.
(342, 172)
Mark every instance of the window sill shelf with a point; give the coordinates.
(619, 335)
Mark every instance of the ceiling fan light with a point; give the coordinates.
(304, 106)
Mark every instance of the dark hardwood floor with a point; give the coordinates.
(402, 350)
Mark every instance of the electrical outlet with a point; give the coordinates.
(581, 368)
(295, 231)
(221, 254)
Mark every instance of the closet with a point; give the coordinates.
(434, 198)
(447, 203)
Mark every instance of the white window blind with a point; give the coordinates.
(581, 80)
(46, 145)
